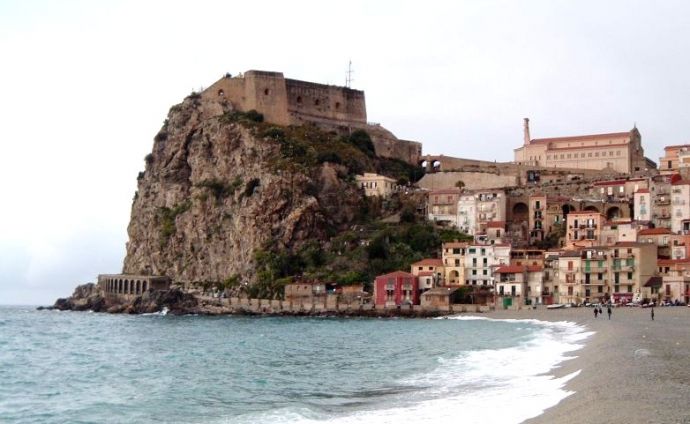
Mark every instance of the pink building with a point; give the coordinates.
(396, 288)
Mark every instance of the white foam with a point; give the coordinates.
(488, 386)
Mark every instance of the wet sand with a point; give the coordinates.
(633, 369)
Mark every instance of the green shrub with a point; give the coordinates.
(167, 218)
(219, 188)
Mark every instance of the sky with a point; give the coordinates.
(85, 86)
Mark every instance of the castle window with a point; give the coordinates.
(267, 91)
(337, 105)
(221, 93)
(589, 154)
(317, 102)
(299, 99)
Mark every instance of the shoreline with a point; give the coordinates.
(632, 369)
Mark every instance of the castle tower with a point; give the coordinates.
(527, 137)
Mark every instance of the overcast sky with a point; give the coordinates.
(85, 85)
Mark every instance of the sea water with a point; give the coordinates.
(80, 367)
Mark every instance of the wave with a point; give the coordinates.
(508, 385)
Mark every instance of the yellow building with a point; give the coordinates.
(620, 151)
(675, 158)
(453, 254)
(376, 185)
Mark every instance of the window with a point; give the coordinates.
(589, 154)
(630, 275)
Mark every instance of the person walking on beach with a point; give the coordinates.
(596, 311)
(608, 310)
(652, 313)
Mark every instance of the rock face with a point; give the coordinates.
(212, 194)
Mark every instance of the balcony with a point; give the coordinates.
(662, 201)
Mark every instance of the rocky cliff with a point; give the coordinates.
(220, 185)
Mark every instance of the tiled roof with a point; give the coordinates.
(653, 231)
(496, 224)
(579, 137)
(510, 269)
(396, 274)
(429, 262)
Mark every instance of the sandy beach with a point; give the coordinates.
(633, 369)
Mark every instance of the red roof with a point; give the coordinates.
(496, 224)
(534, 268)
(395, 274)
(653, 231)
(510, 269)
(630, 244)
(429, 262)
(681, 182)
(580, 137)
(676, 146)
(642, 190)
(426, 274)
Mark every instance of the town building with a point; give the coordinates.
(519, 285)
(642, 201)
(440, 298)
(429, 272)
(396, 289)
(583, 229)
(453, 256)
(675, 159)
(481, 261)
(621, 152)
(680, 206)
(376, 185)
(443, 206)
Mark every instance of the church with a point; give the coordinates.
(621, 152)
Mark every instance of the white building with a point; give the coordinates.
(477, 209)
(680, 205)
(643, 205)
(482, 260)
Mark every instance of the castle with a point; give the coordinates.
(285, 101)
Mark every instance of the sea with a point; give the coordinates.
(82, 367)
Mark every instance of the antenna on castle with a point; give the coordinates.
(348, 75)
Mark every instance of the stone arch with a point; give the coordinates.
(454, 276)
(137, 288)
(299, 99)
(221, 93)
(567, 208)
(423, 163)
(337, 105)
(267, 91)
(614, 212)
(591, 208)
(520, 212)
(436, 165)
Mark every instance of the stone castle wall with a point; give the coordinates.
(292, 102)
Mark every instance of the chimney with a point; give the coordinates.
(527, 137)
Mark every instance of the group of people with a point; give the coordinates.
(599, 311)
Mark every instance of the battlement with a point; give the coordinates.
(291, 102)
(285, 101)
